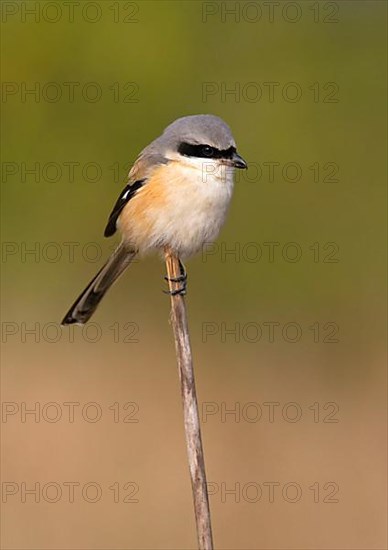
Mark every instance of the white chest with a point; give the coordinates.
(196, 206)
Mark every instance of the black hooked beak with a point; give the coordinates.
(238, 162)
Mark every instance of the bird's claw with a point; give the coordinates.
(181, 279)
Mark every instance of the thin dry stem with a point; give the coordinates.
(190, 407)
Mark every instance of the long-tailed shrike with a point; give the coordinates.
(178, 194)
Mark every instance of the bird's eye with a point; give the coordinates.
(207, 151)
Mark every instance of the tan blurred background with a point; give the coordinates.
(320, 442)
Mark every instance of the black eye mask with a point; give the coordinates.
(205, 151)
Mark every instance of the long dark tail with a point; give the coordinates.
(86, 304)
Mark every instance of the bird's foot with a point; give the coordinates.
(181, 279)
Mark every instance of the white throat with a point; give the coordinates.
(210, 170)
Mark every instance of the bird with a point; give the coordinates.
(178, 193)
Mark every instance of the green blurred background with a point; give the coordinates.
(174, 52)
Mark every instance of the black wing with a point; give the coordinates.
(126, 195)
